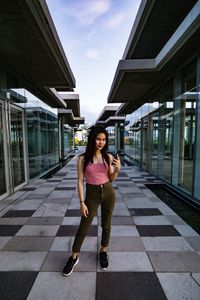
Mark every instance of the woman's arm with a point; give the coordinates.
(114, 168)
(83, 207)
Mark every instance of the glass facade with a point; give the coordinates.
(2, 159)
(17, 146)
(30, 128)
(162, 137)
(68, 140)
(42, 132)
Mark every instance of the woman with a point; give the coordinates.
(99, 169)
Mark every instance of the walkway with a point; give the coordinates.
(153, 253)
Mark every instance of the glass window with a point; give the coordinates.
(145, 143)
(187, 127)
(2, 160)
(17, 146)
(153, 147)
(68, 140)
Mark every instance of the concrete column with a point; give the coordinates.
(150, 142)
(161, 132)
(161, 138)
(73, 139)
(61, 138)
(196, 177)
(121, 138)
(117, 137)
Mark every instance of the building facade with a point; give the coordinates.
(158, 82)
(33, 72)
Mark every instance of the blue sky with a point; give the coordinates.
(94, 34)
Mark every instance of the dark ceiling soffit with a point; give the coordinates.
(74, 105)
(151, 13)
(139, 23)
(45, 95)
(182, 35)
(54, 95)
(72, 101)
(41, 14)
(129, 66)
(122, 109)
(69, 118)
(127, 108)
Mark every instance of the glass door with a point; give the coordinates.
(17, 146)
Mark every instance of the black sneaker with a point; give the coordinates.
(70, 264)
(103, 260)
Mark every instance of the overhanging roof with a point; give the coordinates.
(111, 121)
(68, 117)
(126, 108)
(155, 23)
(107, 112)
(135, 78)
(31, 49)
(72, 101)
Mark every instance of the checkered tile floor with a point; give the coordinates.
(153, 253)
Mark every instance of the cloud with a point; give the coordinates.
(86, 12)
(93, 54)
(115, 20)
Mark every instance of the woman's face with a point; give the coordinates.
(100, 141)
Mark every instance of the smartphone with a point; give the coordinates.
(115, 157)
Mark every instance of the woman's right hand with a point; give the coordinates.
(84, 210)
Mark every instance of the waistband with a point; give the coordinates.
(106, 184)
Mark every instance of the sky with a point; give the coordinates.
(94, 34)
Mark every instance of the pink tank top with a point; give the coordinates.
(96, 173)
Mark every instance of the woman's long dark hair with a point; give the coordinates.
(91, 146)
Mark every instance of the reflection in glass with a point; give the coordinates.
(145, 143)
(2, 165)
(154, 144)
(16, 139)
(42, 128)
(68, 140)
(166, 128)
(187, 142)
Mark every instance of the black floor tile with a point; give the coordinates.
(121, 220)
(123, 179)
(61, 174)
(73, 178)
(9, 230)
(67, 188)
(143, 187)
(70, 230)
(28, 189)
(122, 174)
(142, 181)
(18, 214)
(128, 286)
(129, 184)
(145, 212)
(16, 285)
(72, 213)
(157, 230)
(54, 180)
